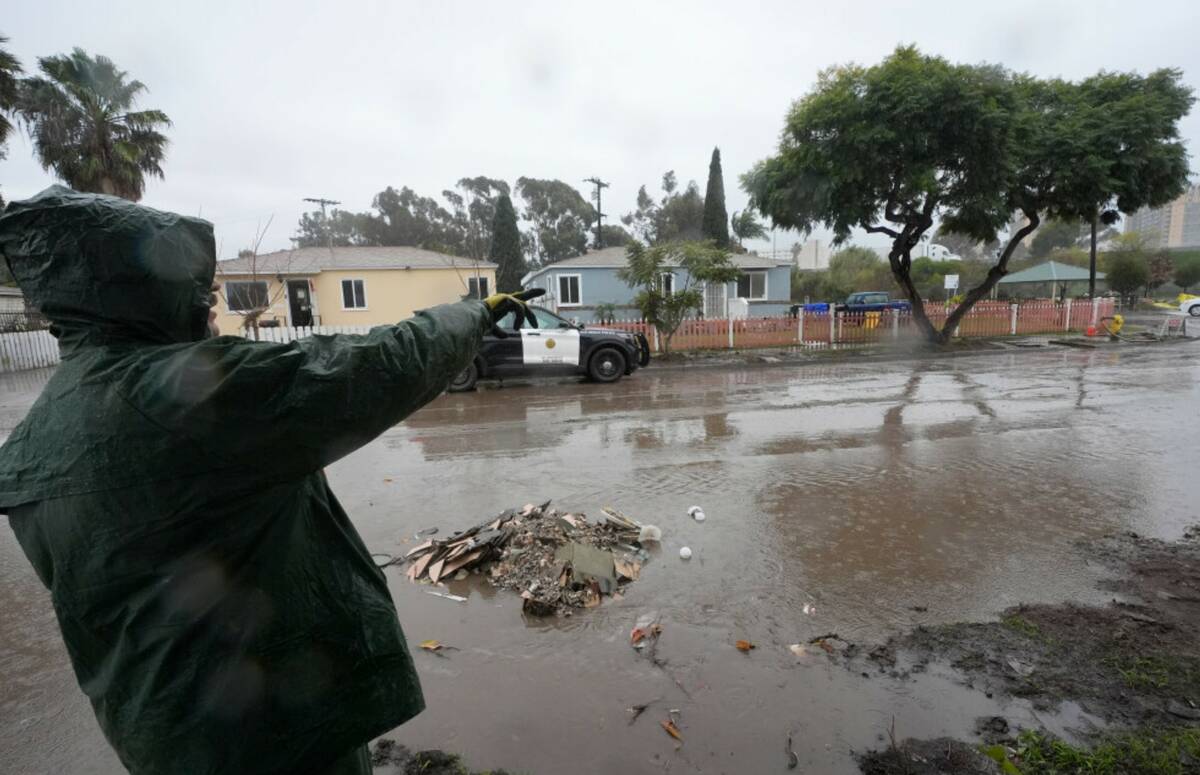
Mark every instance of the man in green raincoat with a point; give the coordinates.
(219, 608)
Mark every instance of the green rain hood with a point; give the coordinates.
(220, 611)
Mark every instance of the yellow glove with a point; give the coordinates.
(503, 303)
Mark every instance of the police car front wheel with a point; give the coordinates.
(465, 380)
(607, 365)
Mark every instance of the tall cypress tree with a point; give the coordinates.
(506, 247)
(716, 221)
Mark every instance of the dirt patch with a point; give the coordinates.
(941, 756)
(388, 756)
(1134, 663)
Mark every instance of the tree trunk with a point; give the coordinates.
(1092, 257)
(994, 275)
(901, 273)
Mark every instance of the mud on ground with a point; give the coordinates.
(390, 757)
(1134, 663)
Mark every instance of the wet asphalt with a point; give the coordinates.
(860, 499)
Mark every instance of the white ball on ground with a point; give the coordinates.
(685, 553)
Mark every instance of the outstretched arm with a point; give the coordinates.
(290, 409)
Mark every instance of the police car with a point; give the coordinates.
(557, 347)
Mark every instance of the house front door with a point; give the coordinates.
(300, 302)
(714, 301)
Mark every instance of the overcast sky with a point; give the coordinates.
(276, 101)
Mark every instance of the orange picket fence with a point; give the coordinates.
(816, 329)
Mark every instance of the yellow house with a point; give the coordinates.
(344, 286)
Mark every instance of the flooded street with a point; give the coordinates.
(878, 495)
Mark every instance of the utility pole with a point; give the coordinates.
(1092, 255)
(600, 185)
(325, 218)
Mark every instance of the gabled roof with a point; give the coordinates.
(1050, 272)
(615, 258)
(314, 260)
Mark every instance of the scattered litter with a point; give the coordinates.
(649, 533)
(387, 479)
(824, 644)
(555, 561)
(792, 759)
(809, 609)
(447, 595)
(637, 710)
(685, 553)
(798, 649)
(696, 513)
(428, 531)
(672, 730)
(437, 647)
(745, 646)
(647, 626)
(627, 568)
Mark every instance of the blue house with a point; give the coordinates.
(574, 286)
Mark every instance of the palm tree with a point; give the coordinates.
(83, 128)
(10, 68)
(746, 226)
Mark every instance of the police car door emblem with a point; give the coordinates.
(549, 344)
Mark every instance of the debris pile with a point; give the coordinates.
(555, 561)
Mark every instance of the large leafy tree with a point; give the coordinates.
(715, 224)
(80, 113)
(406, 218)
(1187, 271)
(1054, 234)
(341, 228)
(666, 307)
(890, 148)
(1128, 273)
(474, 205)
(560, 217)
(1162, 266)
(614, 236)
(677, 216)
(10, 71)
(505, 249)
(1127, 152)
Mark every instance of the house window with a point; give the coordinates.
(752, 285)
(666, 284)
(246, 296)
(477, 287)
(354, 294)
(568, 290)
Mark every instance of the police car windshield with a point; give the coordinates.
(545, 319)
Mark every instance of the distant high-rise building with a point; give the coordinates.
(1175, 225)
(813, 254)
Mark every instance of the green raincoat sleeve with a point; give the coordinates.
(289, 409)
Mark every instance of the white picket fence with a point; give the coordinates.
(23, 350)
(285, 334)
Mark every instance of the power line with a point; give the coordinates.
(600, 185)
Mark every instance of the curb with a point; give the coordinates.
(755, 358)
